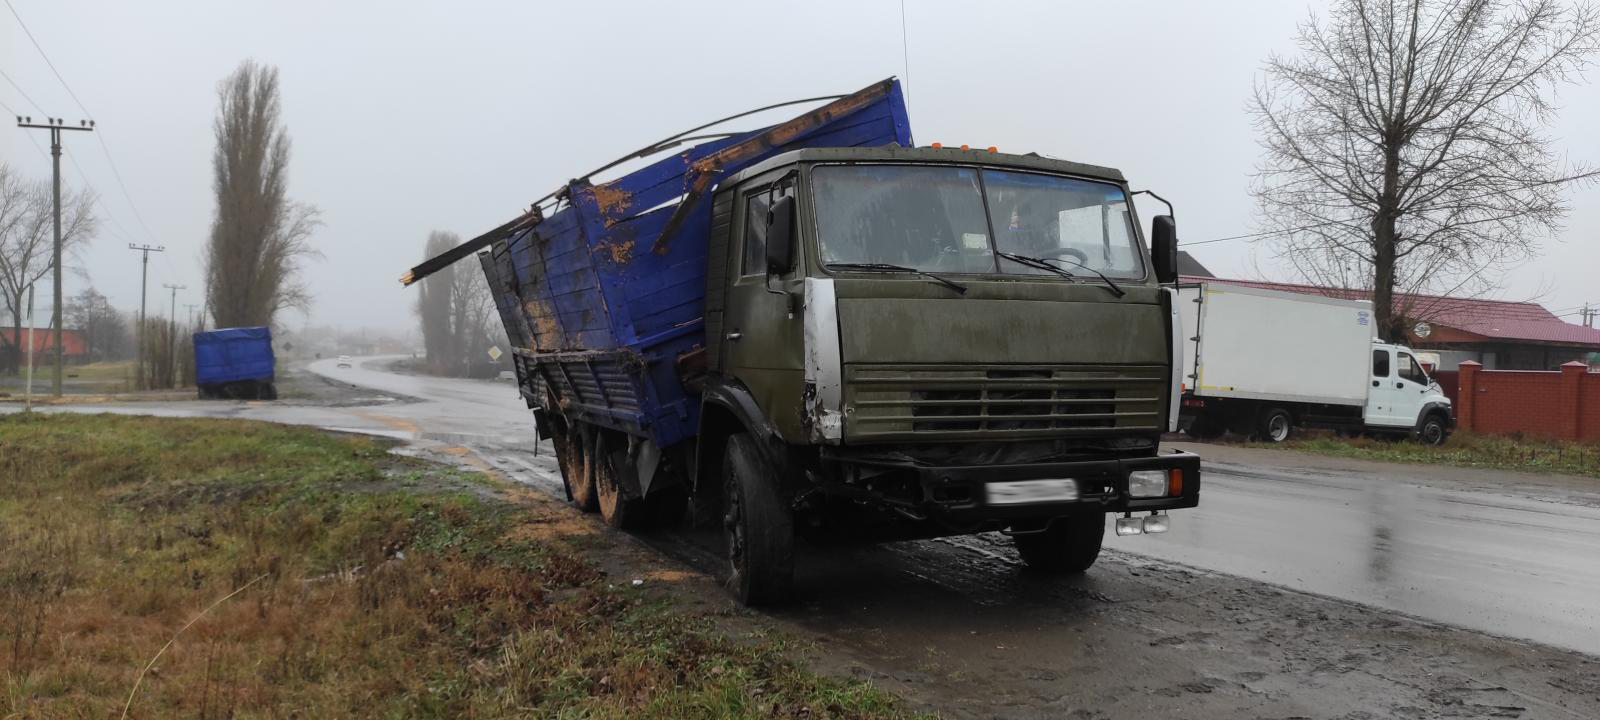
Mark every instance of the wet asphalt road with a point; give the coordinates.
(958, 616)
(1498, 562)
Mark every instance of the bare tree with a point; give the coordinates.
(106, 331)
(457, 313)
(1404, 145)
(434, 305)
(27, 240)
(259, 236)
(475, 315)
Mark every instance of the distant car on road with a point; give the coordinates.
(507, 375)
(344, 361)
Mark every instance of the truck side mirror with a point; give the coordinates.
(1164, 248)
(780, 236)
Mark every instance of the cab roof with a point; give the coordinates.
(892, 153)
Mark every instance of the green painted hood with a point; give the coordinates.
(998, 323)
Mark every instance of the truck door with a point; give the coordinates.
(1386, 389)
(761, 343)
(1411, 388)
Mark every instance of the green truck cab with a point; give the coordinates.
(920, 342)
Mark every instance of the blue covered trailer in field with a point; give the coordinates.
(604, 297)
(235, 363)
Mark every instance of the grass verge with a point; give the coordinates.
(1463, 450)
(383, 587)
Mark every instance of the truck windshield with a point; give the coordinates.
(933, 218)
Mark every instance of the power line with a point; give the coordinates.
(52, 65)
(905, 54)
(104, 148)
(23, 93)
(1285, 231)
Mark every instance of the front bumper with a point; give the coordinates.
(959, 493)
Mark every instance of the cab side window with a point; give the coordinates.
(1411, 370)
(1380, 363)
(757, 202)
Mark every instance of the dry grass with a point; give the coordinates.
(392, 588)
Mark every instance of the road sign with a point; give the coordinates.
(494, 353)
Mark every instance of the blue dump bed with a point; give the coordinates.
(603, 297)
(233, 355)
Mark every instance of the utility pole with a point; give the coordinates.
(28, 402)
(190, 307)
(55, 126)
(172, 337)
(144, 275)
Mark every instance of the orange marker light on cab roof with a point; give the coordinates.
(994, 149)
(964, 147)
(937, 146)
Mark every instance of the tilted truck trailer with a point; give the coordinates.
(1261, 363)
(235, 363)
(817, 329)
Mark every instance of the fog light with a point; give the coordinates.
(1147, 483)
(1156, 523)
(1129, 526)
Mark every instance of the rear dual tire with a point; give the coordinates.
(1276, 425)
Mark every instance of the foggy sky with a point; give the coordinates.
(411, 117)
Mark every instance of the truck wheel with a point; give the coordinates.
(1433, 431)
(1276, 425)
(616, 508)
(1068, 545)
(582, 488)
(566, 459)
(268, 391)
(757, 526)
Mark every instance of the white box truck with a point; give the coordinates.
(1261, 363)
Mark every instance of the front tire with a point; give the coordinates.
(758, 526)
(1069, 545)
(1433, 431)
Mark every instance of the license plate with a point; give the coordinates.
(1032, 491)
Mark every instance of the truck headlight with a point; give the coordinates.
(1147, 483)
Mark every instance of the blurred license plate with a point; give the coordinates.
(1032, 491)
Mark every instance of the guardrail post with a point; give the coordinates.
(1467, 395)
(1570, 401)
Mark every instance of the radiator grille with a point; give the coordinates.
(923, 402)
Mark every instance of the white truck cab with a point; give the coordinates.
(1404, 397)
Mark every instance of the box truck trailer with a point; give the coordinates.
(818, 329)
(1261, 363)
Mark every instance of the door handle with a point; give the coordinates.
(735, 335)
(1401, 386)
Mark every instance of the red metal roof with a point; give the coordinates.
(44, 340)
(1496, 319)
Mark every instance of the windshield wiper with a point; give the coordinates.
(1044, 264)
(886, 267)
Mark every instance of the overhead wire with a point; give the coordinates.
(99, 133)
(1285, 231)
(24, 95)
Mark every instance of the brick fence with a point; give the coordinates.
(1564, 405)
